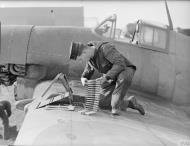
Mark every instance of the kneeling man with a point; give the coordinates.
(117, 71)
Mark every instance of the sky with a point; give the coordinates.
(132, 11)
(127, 11)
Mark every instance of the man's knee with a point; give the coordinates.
(126, 77)
(105, 102)
(5, 111)
(3, 116)
(6, 106)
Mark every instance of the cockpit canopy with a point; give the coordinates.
(142, 33)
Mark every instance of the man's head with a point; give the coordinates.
(82, 51)
(75, 50)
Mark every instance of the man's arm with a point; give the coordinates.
(115, 57)
(88, 71)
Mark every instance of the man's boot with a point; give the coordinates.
(135, 105)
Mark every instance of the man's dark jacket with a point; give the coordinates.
(106, 60)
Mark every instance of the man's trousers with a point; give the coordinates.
(112, 96)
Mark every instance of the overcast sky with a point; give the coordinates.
(127, 11)
(131, 11)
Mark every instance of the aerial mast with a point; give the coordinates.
(169, 17)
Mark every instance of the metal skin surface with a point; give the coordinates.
(31, 54)
(44, 51)
(59, 127)
(34, 54)
(47, 126)
(71, 128)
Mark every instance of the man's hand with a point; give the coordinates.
(105, 82)
(84, 81)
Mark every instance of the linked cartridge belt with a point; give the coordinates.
(93, 95)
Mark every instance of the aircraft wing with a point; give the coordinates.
(58, 126)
